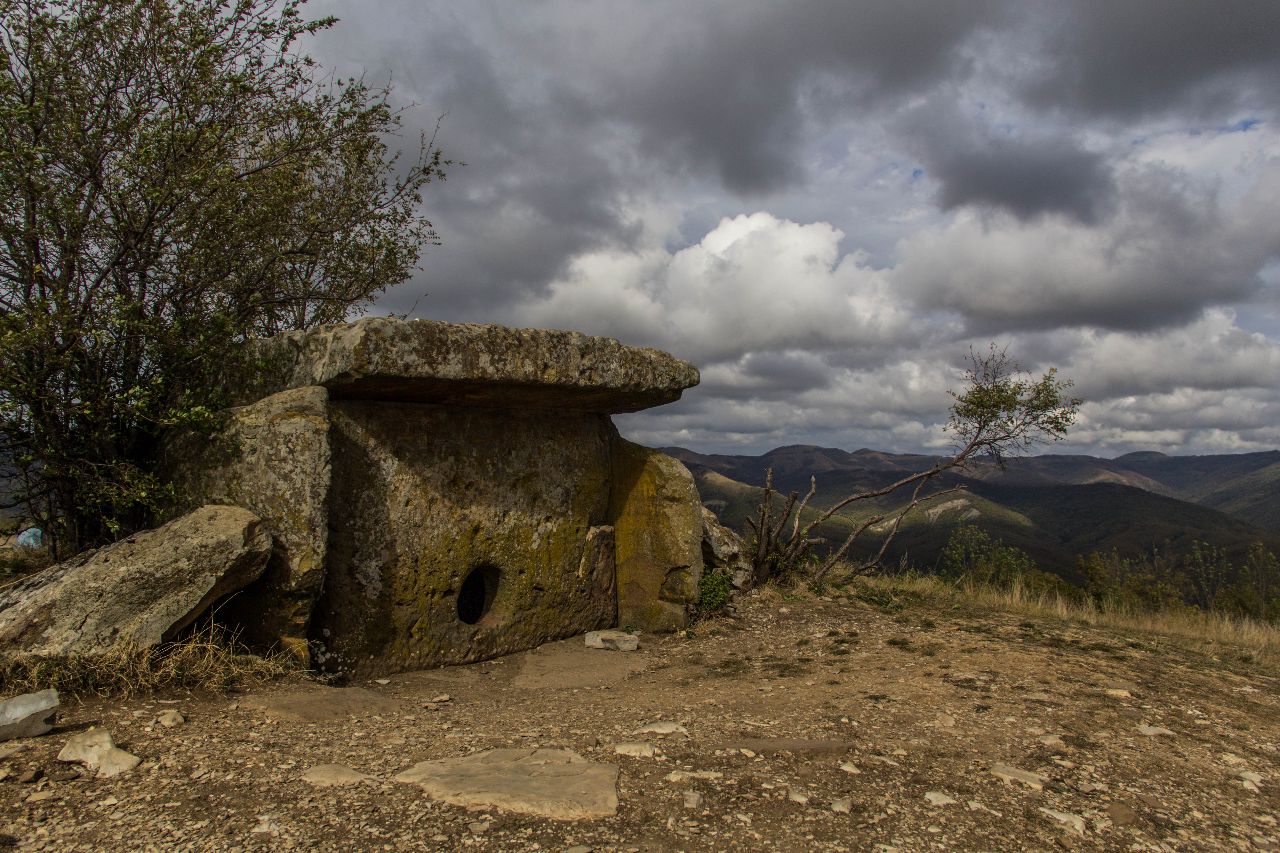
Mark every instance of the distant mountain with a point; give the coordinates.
(1055, 507)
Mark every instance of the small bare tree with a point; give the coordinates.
(1001, 412)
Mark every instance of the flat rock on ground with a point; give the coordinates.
(929, 701)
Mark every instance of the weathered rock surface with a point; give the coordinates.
(458, 534)
(553, 783)
(384, 358)
(658, 526)
(141, 591)
(28, 715)
(272, 458)
(725, 551)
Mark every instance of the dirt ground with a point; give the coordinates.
(812, 725)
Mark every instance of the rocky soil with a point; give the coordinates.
(802, 725)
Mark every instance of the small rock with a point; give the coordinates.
(1121, 815)
(635, 749)
(1250, 776)
(266, 826)
(692, 799)
(441, 699)
(1117, 693)
(795, 795)
(96, 750)
(850, 767)
(1154, 731)
(28, 715)
(937, 798)
(382, 681)
(975, 806)
(615, 641)
(480, 827)
(333, 775)
(945, 721)
(1013, 774)
(662, 728)
(41, 796)
(843, 805)
(28, 777)
(1072, 821)
(1052, 741)
(171, 719)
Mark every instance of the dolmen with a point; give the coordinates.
(441, 493)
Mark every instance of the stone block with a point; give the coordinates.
(460, 533)
(272, 458)
(384, 358)
(657, 520)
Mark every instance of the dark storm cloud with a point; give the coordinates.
(736, 89)
(1126, 59)
(1028, 173)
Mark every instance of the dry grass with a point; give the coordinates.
(1260, 640)
(207, 660)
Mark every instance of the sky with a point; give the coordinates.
(825, 204)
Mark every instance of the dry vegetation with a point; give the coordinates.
(1203, 630)
(208, 659)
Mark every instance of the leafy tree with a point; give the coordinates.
(1000, 412)
(175, 177)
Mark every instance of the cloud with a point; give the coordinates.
(1142, 57)
(754, 284)
(825, 203)
(1168, 251)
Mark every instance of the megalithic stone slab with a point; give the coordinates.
(553, 783)
(384, 358)
(140, 591)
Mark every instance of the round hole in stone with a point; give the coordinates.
(476, 595)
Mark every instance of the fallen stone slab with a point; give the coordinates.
(551, 783)
(140, 591)
(334, 775)
(323, 705)
(768, 746)
(428, 361)
(28, 715)
(615, 641)
(96, 750)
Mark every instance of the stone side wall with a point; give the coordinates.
(425, 495)
(272, 458)
(657, 519)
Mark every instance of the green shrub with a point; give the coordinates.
(714, 589)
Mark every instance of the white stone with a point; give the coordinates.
(616, 641)
(937, 798)
(1013, 774)
(28, 715)
(796, 795)
(1072, 821)
(692, 799)
(1154, 731)
(843, 805)
(96, 750)
(635, 749)
(681, 776)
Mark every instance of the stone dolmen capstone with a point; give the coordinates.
(443, 493)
